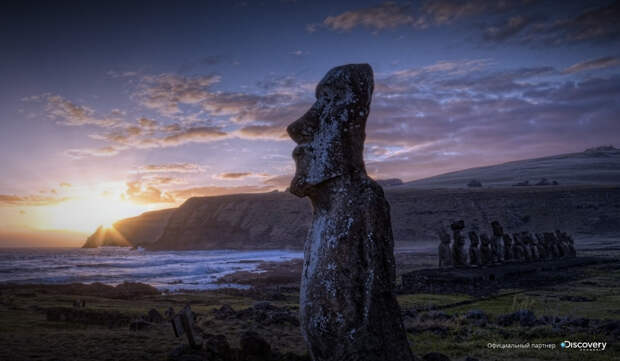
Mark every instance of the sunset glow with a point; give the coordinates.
(173, 109)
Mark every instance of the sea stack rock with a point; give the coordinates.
(348, 310)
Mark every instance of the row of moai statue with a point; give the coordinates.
(501, 247)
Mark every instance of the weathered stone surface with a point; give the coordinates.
(497, 242)
(348, 310)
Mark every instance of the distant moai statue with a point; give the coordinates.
(543, 250)
(459, 255)
(566, 243)
(518, 251)
(553, 248)
(527, 251)
(474, 250)
(507, 247)
(558, 245)
(486, 253)
(534, 254)
(445, 253)
(497, 242)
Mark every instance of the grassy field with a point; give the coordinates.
(435, 323)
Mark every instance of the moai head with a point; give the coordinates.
(458, 225)
(516, 239)
(330, 136)
(498, 231)
(473, 239)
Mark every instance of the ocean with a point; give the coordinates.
(165, 270)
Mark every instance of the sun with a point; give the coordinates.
(85, 214)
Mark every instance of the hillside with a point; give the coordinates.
(586, 202)
(596, 166)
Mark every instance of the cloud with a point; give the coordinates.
(172, 168)
(592, 24)
(600, 63)
(196, 135)
(240, 175)
(383, 16)
(166, 92)
(68, 113)
(30, 200)
(141, 193)
(447, 11)
(79, 153)
(509, 28)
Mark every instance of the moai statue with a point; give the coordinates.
(497, 242)
(570, 242)
(486, 253)
(551, 244)
(558, 245)
(474, 251)
(507, 247)
(527, 251)
(535, 255)
(347, 306)
(445, 253)
(543, 250)
(518, 252)
(566, 243)
(459, 255)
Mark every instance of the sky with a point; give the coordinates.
(109, 109)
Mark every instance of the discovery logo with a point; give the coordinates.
(584, 346)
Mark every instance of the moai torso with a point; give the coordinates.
(348, 310)
(535, 255)
(459, 254)
(474, 250)
(445, 251)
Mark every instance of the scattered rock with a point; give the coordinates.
(254, 347)
(139, 325)
(154, 316)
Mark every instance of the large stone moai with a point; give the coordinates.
(348, 310)
(497, 242)
(474, 250)
(459, 254)
(445, 251)
(566, 243)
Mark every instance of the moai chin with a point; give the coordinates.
(459, 254)
(348, 310)
(445, 253)
(474, 251)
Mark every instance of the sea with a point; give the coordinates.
(166, 270)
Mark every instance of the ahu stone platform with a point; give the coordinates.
(487, 280)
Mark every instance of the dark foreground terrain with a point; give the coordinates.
(42, 323)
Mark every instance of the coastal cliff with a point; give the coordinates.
(583, 200)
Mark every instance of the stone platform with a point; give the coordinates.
(490, 279)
